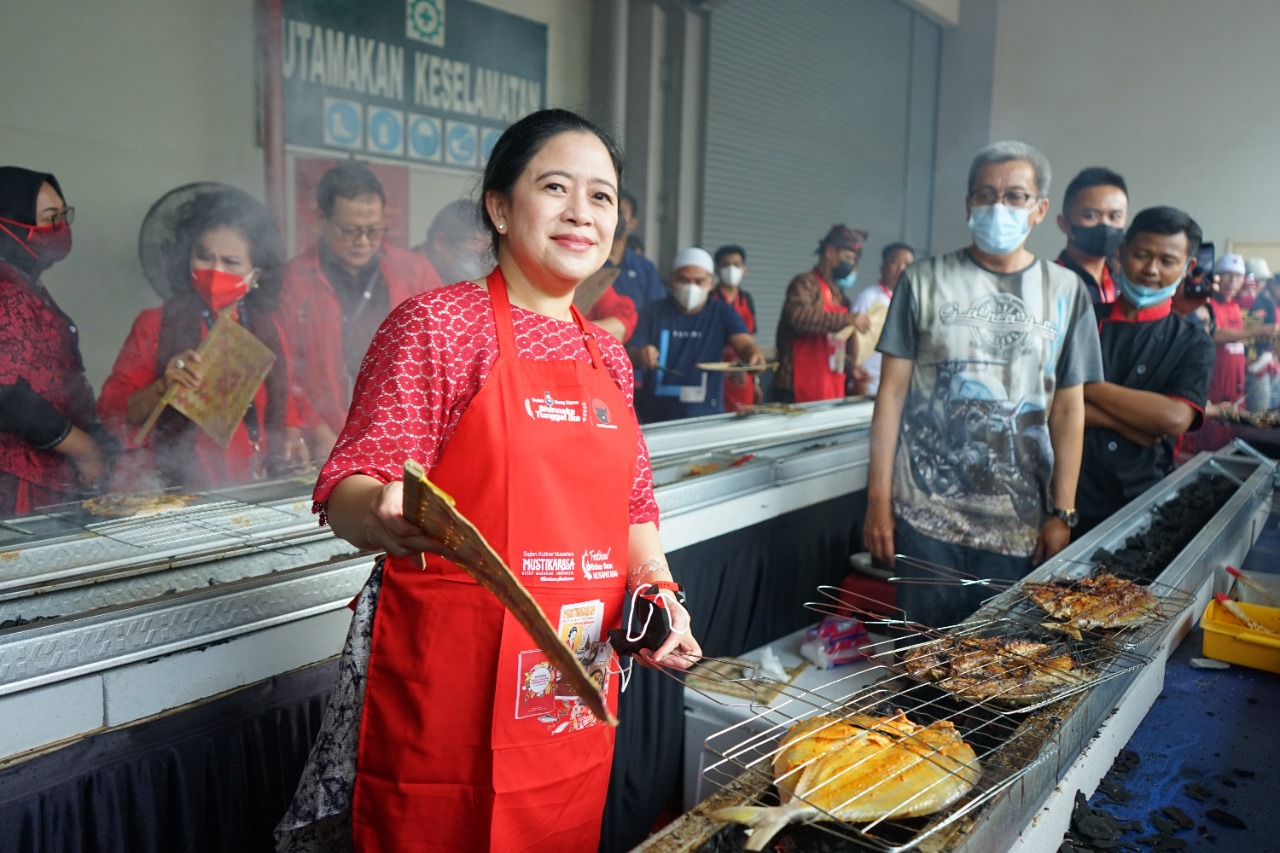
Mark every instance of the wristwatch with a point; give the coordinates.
(1069, 517)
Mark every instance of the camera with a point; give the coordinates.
(1199, 283)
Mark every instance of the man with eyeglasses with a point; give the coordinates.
(339, 291)
(979, 421)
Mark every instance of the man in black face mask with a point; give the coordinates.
(1095, 210)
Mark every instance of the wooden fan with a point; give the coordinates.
(432, 510)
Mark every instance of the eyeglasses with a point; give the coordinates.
(1012, 198)
(67, 215)
(352, 234)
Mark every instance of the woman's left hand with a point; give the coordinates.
(680, 650)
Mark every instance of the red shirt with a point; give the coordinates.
(38, 343)
(739, 389)
(613, 304)
(311, 320)
(427, 363)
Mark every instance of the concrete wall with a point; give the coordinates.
(1176, 95)
(126, 100)
(123, 101)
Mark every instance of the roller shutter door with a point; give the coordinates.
(818, 111)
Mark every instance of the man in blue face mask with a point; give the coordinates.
(979, 418)
(1157, 365)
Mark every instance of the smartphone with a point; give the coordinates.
(1200, 281)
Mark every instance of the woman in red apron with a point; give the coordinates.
(522, 412)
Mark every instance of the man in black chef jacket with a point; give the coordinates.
(1156, 365)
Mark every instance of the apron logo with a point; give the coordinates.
(601, 410)
(598, 565)
(549, 565)
(547, 408)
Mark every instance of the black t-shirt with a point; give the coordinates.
(1167, 355)
(365, 304)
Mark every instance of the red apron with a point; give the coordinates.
(467, 742)
(1226, 383)
(817, 361)
(739, 388)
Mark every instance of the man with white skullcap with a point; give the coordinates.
(1230, 335)
(677, 334)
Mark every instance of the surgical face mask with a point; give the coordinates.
(997, 229)
(218, 288)
(841, 270)
(1097, 241)
(730, 275)
(847, 281)
(1144, 297)
(690, 296)
(48, 244)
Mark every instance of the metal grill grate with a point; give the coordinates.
(943, 775)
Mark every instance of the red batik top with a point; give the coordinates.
(39, 345)
(427, 362)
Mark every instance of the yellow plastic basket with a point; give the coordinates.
(1225, 638)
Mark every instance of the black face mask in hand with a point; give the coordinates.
(1097, 241)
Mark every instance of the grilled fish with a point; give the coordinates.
(1007, 670)
(1101, 601)
(861, 768)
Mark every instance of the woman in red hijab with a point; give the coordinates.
(51, 446)
(522, 412)
(226, 257)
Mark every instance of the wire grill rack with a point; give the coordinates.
(1010, 665)
(1001, 755)
(209, 518)
(1167, 602)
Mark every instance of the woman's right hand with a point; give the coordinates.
(183, 369)
(385, 527)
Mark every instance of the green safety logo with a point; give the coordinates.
(424, 21)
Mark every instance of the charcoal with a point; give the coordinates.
(1168, 842)
(1230, 783)
(1179, 816)
(1197, 792)
(1242, 773)
(1125, 761)
(1115, 792)
(1225, 817)
(1204, 831)
(1167, 827)
(1173, 524)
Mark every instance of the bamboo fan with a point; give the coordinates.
(432, 510)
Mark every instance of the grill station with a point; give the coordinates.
(245, 576)
(1033, 758)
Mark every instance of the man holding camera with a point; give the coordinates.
(1156, 365)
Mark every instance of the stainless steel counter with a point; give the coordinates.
(88, 603)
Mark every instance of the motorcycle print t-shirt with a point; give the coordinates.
(989, 349)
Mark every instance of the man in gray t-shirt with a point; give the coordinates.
(979, 420)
